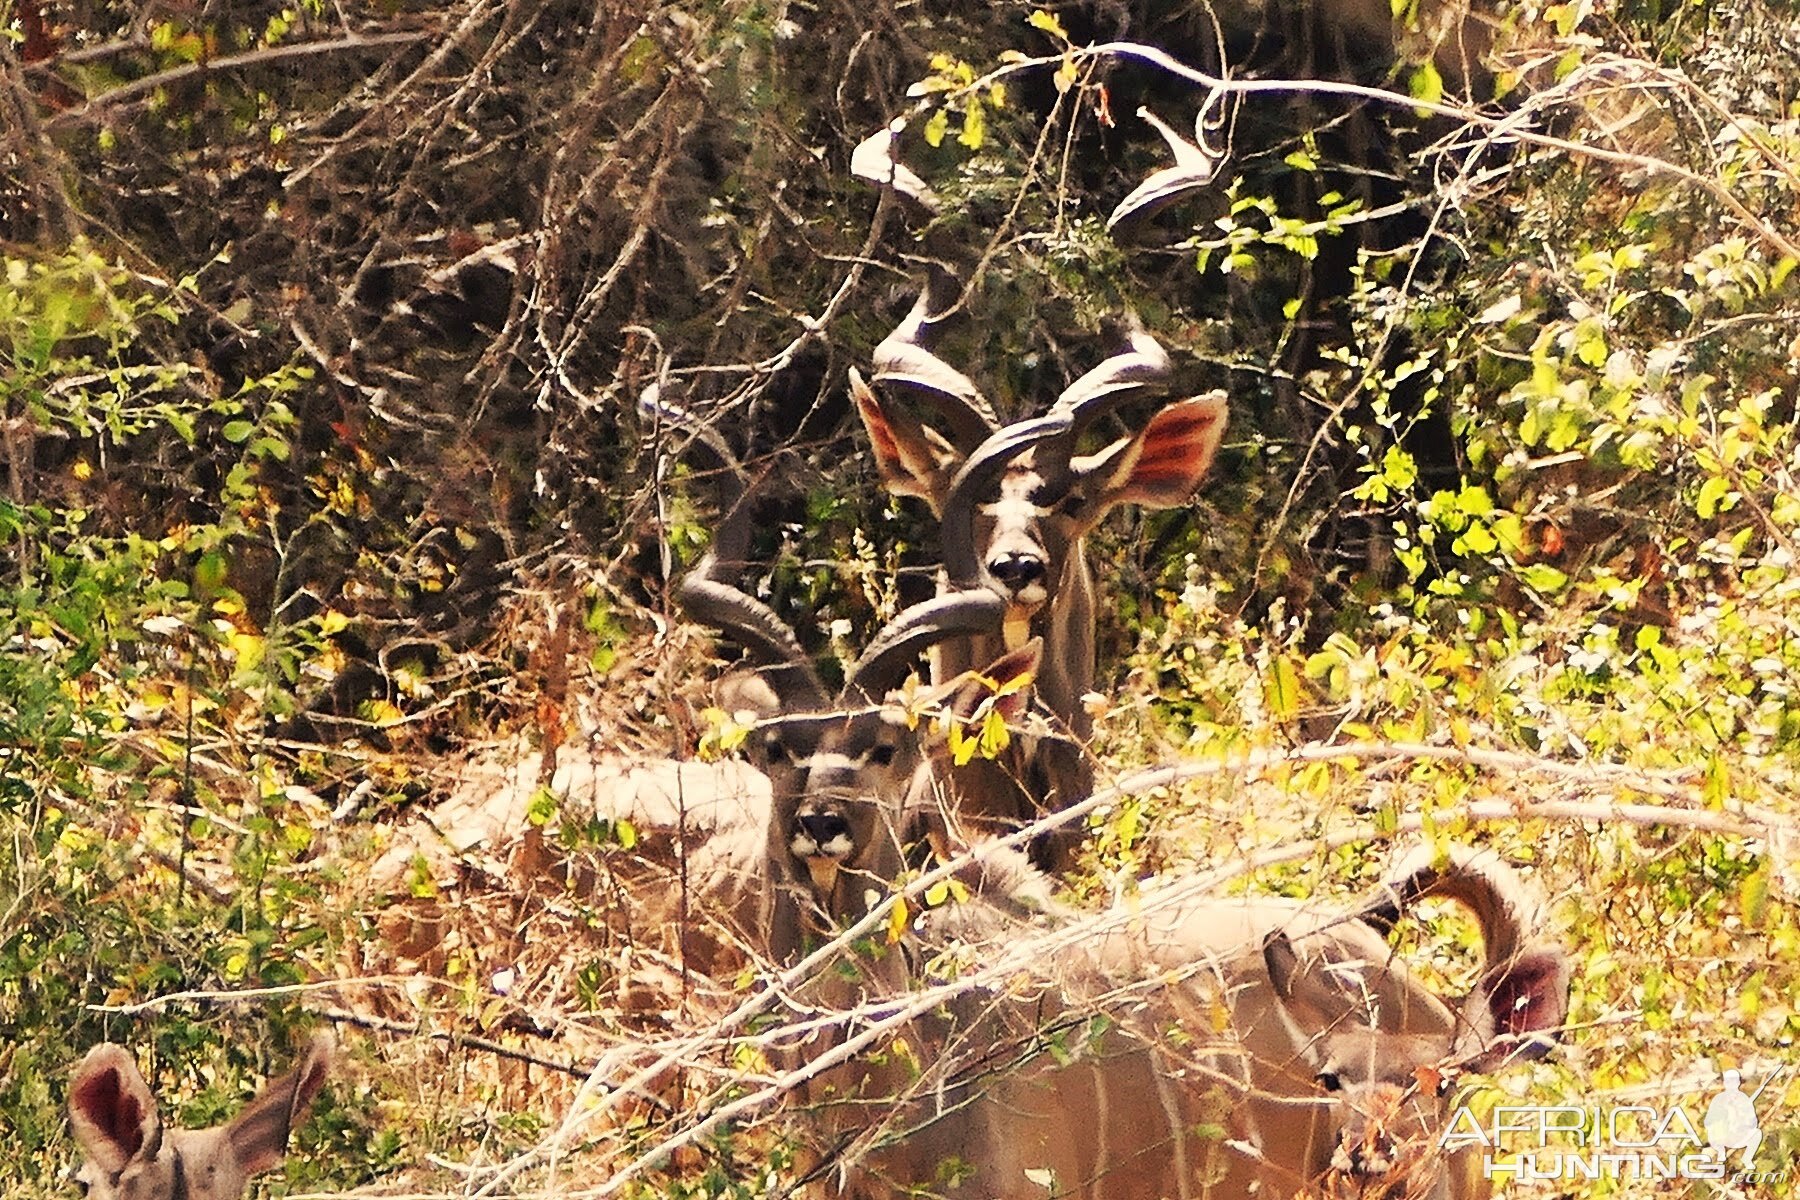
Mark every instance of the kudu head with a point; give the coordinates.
(1390, 1090)
(131, 1155)
(841, 764)
(1016, 500)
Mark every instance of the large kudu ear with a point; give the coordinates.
(1317, 991)
(1161, 466)
(112, 1111)
(1517, 1010)
(259, 1134)
(914, 460)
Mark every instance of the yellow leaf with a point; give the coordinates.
(1715, 787)
(994, 734)
(936, 126)
(1282, 689)
(1048, 23)
(962, 747)
(974, 130)
(897, 920)
(1753, 896)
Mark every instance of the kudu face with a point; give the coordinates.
(1016, 500)
(131, 1155)
(837, 783)
(1391, 1090)
(846, 786)
(1014, 504)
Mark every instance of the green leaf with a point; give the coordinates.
(541, 808)
(238, 431)
(1281, 689)
(1426, 84)
(1542, 577)
(1713, 493)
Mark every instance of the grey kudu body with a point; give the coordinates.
(1015, 504)
(1201, 1047)
(132, 1155)
(1206, 1048)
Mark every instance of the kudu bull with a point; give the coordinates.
(132, 1156)
(1015, 504)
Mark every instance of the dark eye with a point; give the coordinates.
(773, 747)
(1329, 1081)
(881, 756)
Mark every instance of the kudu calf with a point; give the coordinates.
(131, 1155)
(1015, 504)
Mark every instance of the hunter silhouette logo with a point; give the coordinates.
(1731, 1122)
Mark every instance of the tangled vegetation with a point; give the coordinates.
(322, 333)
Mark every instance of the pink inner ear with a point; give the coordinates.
(104, 1100)
(881, 435)
(1177, 450)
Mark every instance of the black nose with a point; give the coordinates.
(823, 828)
(1017, 570)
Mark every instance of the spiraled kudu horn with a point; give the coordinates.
(884, 663)
(1142, 366)
(975, 480)
(902, 359)
(707, 593)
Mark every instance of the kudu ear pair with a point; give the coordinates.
(129, 1151)
(1158, 468)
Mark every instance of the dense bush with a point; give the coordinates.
(321, 336)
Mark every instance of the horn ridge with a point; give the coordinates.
(1139, 368)
(903, 359)
(708, 595)
(892, 650)
(1479, 880)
